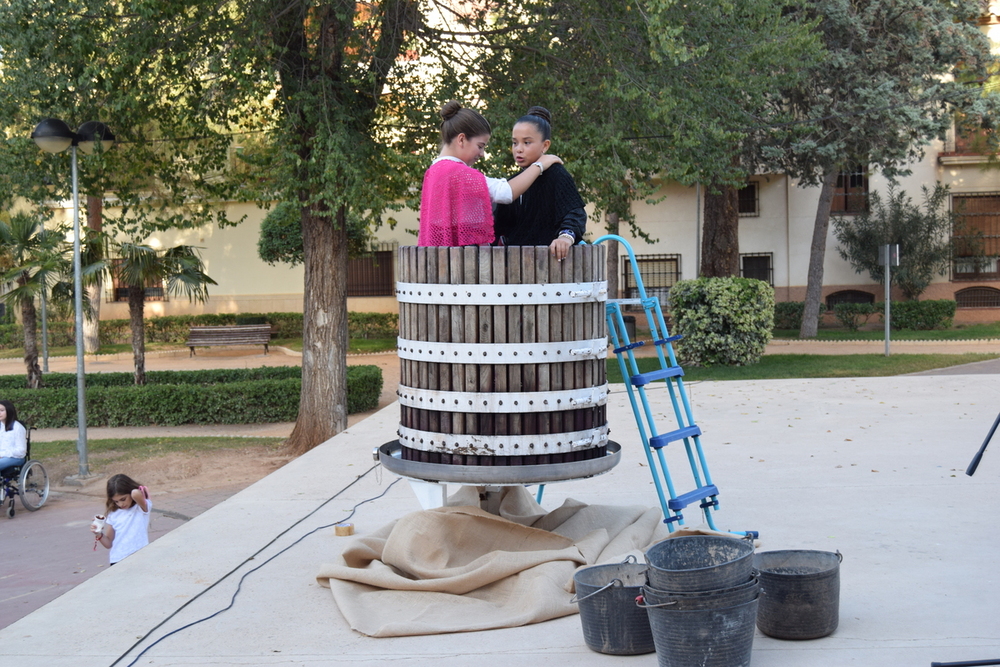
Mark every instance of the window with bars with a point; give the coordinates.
(977, 236)
(851, 192)
(118, 291)
(977, 297)
(849, 296)
(659, 273)
(749, 202)
(758, 265)
(372, 274)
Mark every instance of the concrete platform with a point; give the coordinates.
(871, 467)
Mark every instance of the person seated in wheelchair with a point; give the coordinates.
(13, 438)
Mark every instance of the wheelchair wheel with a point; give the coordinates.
(10, 509)
(34, 486)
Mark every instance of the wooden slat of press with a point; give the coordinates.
(557, 332)
(456, 261)
(515, 331)
(543, 332)
(580, 329)
(433, 416)
(444, 335)
(422, 332)
(529, 334)
(501, 422)
(485, 336)
(470, 268)
(402, 270)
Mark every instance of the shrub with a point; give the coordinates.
(372, 325)
(788, 314)
(853, 315)
(723, 320)
(190, 400)
(919, 315)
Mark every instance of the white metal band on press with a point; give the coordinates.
(501, 295)
(502, 353)
(503, 445)
(502, 402)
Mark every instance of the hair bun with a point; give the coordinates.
(449, 110)
(541, 112)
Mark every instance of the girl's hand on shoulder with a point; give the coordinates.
(549, 160)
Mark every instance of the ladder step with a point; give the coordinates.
(652, 376)
(671, 339)
(685, 499)
(665, 439)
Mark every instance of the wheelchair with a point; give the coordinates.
(28, 480)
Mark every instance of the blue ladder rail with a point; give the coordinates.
(654, 443)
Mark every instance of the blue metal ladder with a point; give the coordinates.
(705, 493)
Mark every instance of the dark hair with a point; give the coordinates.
(540, 118)
(118, 485)
(8, 424)
(457, 120)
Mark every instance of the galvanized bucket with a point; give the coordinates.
(699, 563)
(612, 623)
(800, 593)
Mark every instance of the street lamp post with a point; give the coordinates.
(54, 136)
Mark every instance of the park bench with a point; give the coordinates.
(239, 334)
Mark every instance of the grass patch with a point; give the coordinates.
(961, 332)
(785, 366)
(112, 450)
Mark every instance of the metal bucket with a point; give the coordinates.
(703, 637)
(699, 563)
(800, 593)
(715, 599)
(612, 623)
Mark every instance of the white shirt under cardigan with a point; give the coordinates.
(500, 192)
(13, 443)
(131, 530)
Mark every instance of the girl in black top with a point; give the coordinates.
(551, 212)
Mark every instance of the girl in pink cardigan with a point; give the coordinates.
(456, 203)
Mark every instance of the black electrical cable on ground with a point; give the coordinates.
(247, 560)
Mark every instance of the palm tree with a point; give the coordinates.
(29, 255)
(140, 267)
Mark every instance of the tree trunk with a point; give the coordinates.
(613, 269)
(817, 253)
(136, 305)
(720, 247)
(29, 320)
(323, 402)
(91, 324)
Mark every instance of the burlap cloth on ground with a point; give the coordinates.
(459, 568)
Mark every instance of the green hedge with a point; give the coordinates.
(174, 328)
(919, 315)
(195, 401)
(724, 321)
(127, 379)
(854, 315)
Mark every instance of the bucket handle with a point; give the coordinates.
(605, 587)
(840, 556)
(641, 602)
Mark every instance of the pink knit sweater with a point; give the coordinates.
(455, 207)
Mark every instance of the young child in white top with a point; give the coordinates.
(126, 529)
